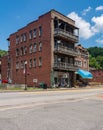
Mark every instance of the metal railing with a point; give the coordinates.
(65, 66)
(67, 34)
(66, 50)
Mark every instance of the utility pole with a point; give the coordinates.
(25, 75)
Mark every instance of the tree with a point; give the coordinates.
(95, 51)
(93, 63)
(99, 59)
(2, 53)
(96, 57)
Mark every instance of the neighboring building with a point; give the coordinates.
(82, 59)
(4, 67)
(0, 68)
(46, 47)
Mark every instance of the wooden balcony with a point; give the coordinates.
(65, 34)
(64, 66)
(65, 50)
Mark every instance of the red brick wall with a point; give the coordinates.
(4, 67)
(83, 57)
(41, 73)
(0, 68)
(97, 76)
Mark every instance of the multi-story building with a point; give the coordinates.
(45, 51)
(82, 61)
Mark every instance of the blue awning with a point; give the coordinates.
(85, 74)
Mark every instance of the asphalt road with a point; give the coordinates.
(53, 110)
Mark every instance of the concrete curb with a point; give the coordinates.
(52, 89)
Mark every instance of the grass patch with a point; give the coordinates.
(17, 88)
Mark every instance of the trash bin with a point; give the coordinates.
(43, 85)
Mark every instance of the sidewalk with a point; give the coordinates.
(51, 89)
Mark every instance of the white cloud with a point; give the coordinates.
(99, 8)
(100, 41)
(98, 21)
(85, 11)
(85, 30)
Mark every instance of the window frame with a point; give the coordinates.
(40, 61)
(40, 31)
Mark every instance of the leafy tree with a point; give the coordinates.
(99, 59)
(94, 63)
(2, 53)
(96, 57)
(95, 51)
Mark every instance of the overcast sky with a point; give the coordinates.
(88, 15)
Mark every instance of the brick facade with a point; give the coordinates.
(0, 68)
(47, 45)
(82, 59)
(4, 67)
(97, 76)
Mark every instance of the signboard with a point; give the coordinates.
(35, 80)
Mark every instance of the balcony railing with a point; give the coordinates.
(65, 66)
(65, 50)
(63, 33)
(83, 54)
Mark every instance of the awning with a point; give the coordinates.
(85, 74)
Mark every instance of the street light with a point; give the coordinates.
(25, 75)
(59, 60)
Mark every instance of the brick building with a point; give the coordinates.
(45, 50)
(4, 67)
(0, 68)
(82, 59)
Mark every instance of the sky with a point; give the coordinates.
(88, 16)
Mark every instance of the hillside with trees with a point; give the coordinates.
(96, 57)
(2, 53)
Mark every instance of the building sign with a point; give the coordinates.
(35, 80)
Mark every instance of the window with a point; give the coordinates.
(24, 37)
(17, 65)
(40, 46)
(25, 50)
(21, 39)
(40, 61)
(30, 34)
(22, 51)
(22, 64)
(85, 64)
(17, 39)
(40, 31)
(17, 52)
(34, 47)
(34, 34)
(34, 62)
(30, 63)
(79, 63)
(30, 49)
